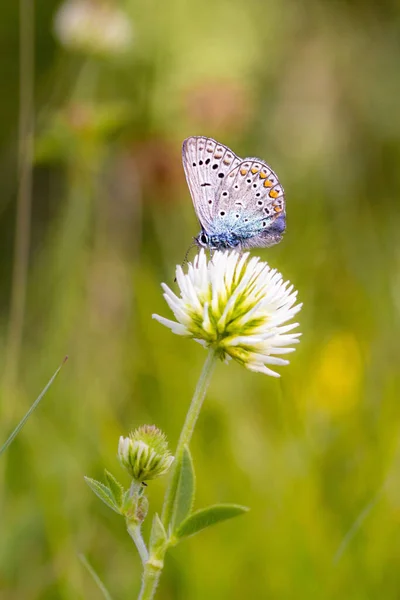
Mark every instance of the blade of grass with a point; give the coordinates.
(24, 197)
(356, 526)
(95, 577)
(30, 411)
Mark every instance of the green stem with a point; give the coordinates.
(154, 565)
(151, 577)
(186, 435)
(134, 531)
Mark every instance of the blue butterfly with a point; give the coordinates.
(239, 203)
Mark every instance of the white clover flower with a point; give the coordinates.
(237, 305)
(93, 27)
(144, 454)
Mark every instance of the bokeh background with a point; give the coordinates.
(313, 88)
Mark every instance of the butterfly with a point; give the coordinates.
(239, 203)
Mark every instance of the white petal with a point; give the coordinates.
(259, 368)
(172, 325)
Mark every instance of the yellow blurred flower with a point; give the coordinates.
(338, 374)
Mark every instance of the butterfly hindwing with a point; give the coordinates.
(251, 200)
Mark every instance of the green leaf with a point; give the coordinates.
(208, 516)
(102, 492)
(184, 496)
(115, 488)
(158, 536)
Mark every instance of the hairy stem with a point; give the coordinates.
(134, 531)
(151, 577)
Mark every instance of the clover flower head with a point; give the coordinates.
(237, 305)
(144, 453)
(93, 27)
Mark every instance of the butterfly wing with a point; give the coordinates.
(250, 201)
(206, 164)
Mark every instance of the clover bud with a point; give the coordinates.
(144, 453)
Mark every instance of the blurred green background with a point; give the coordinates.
(311, 87)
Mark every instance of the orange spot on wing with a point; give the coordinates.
(267, 184)
(254, 170)
(273, 193)
(263, 175)
(243, 171)
(278, 209)
(217, 155)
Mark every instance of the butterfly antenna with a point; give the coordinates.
(185, 260)
(192, 245)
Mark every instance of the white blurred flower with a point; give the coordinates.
(93, 27)
(237, 305)
(144, 454)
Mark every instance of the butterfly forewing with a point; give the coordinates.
(206, 164)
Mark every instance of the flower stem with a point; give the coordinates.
(186, 434)
(154, 565)
(136, 534)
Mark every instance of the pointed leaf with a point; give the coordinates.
(102, 492)
(115, 487)
(184, 497)
(158, 536)
(208, 516)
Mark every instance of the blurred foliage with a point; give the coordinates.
(312, 88)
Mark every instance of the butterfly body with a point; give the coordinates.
(239, 203)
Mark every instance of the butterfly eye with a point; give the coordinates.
(203, 239)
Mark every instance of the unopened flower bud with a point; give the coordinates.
(145, 454)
